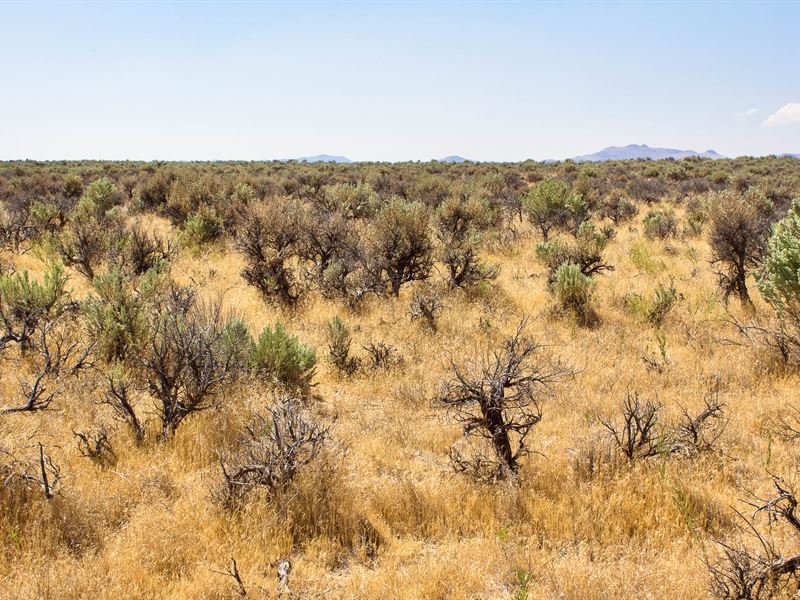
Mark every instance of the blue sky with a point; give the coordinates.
(395, 81)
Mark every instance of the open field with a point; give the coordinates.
(375, 507)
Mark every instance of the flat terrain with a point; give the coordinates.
(380, 512)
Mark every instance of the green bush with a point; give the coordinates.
(553, 204)
(101, 195)
(282, 358)
(574, 290)
(116, 314)
(660, 224)
(25, 302)
(656, 308)
(339, 341)
(780, 282)
(402, 244)
(586, 252)
(72, 186)
(202, 227)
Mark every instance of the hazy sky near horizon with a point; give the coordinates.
(395, 81)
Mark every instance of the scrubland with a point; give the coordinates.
(383, 506)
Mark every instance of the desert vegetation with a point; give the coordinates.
(411, 380)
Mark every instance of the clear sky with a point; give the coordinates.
(395, 80)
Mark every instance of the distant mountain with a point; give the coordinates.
(324, 158)
(453, 159)
(637, 151)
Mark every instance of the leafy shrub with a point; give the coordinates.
(144, 252)
(202, 227)
(780, 281)
(100, 196)
(720, 177)
(189, 194)
(282, 358)
(574, 291)
(72, 186)
(738, 228)
(25, 302)
(401, 243)
(459, 223)
(586, 252)
(154, 190)
(553, 204)
(45, 216)
(271, 239)
(696, 216)
(656, 308)
(660, 224)
(339, 340)
(116, 313)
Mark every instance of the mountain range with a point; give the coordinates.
(629, 152)
(324, 158)
(642, 151)
(453, 159)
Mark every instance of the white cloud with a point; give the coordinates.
(786, 115)
(746, 114)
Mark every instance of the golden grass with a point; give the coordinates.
(389, 519)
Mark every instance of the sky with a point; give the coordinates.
(395, 80)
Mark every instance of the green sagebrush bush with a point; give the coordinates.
(202, 227)
(780, 279)
(655, 308)
(660, 224)
(402, 244)
(586, 252)
(282, 358)
(25, 302)
(553, 204)
(339, 341)
(100, 196)
(116, 313)
(574, 291)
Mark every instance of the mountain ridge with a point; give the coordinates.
(332, 158)
(643, 151)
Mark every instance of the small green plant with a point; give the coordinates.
(339, 340)
(660, 224)
(25, 302)
(202, 228)
(696, 217)
(586, 252)
(656, 308)
(115, 316)
(574, 290)
(641, 256)
(780, 282)
(523, 582)
(282, 358)
(100, 196)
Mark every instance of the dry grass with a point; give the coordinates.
(388, 518)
